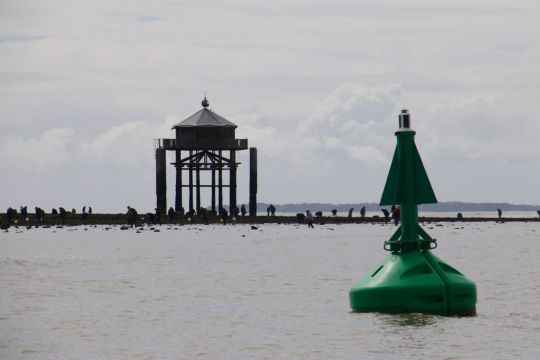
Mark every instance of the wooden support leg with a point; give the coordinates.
(178, 199)
(253, 182)
(220, 183)
(213, 191)
(161, 181)
(198, 187)
(232, 184)
(190, 180)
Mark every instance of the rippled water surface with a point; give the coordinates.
(276, 292)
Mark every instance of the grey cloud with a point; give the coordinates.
(20, 38)
(278, 70)
(365, 9)
(148, 18)
(14, 77)
(513, 47)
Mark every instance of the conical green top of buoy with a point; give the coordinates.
(407, 178)
(411, 279)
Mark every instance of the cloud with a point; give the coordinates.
(482, 125)
(13, 77)
(254, 125)
(20, 38)
(352, 122)
(148, 18)
(123, 143)
(355, 120)
(513, 47)
(128, 144)
(315, 86)
(52, 148)
(359, 103)
(366, 155)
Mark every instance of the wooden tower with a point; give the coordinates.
(205, 141)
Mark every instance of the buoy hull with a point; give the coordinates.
(414, 282)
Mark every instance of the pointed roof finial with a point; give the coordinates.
(205, 102)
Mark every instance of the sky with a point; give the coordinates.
(315, 86)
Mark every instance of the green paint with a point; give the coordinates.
(408, 185)
(412, 279)
(405, 180)
(415, 281)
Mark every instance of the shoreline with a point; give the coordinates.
(121, 219)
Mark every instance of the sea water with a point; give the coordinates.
(270, 292)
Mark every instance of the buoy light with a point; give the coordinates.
(404, 121)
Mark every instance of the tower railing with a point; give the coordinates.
(195, 144)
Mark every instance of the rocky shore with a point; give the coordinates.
(121, 219)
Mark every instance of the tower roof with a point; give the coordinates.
(205, 118)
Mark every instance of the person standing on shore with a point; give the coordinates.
(24, 213)
(309, 218)
(157, 217)
(171, 214)
(396, 215)
(363, 212)
(350, 213)
(39, 216)
(128, 213)
(499, 213)
(62, 215)
(131, 216)
(84, 214)
(224, 215)
(9, 215)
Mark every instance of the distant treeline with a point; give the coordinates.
(450, 206)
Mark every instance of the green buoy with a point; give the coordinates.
(411, 278)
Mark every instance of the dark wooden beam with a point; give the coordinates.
(213, 191)
(178, 197)
(252, 181)
(190, 181)
(220, 182)
(232, 184)
(161, 181)
(198, 188)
